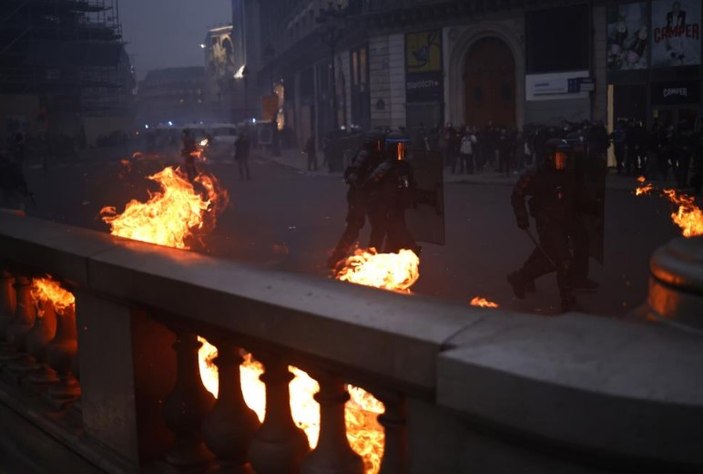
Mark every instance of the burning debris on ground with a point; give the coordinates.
(482, 302)
(688, 216)
(172, 216)
(388, 271)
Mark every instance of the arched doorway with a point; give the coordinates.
(489, 83)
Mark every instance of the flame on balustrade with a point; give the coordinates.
(364, 433)
(172, 215)
(47, 290)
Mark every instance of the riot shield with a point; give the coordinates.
(425, 219)
(591, 170)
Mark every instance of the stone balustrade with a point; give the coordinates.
(116, 386)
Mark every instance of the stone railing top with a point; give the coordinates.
(373, 332)
(613, 386)
(596, 383)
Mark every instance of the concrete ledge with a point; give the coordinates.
(599, 385)
(389, 337)
(50, 247)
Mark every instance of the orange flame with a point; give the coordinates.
(364, 433)
(171, 216)
(688, 216)
(389, 271)
(47, 290)
(483, 302)
(644, 189)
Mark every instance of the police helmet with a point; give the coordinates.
(557, 153)
(396, 145)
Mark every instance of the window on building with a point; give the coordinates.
(557, 39)
(364, 74)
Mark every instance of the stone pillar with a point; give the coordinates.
(230, 426)
(332, 455)
(25, 312)
(676, 284)
(278, 446)
(37, 341)
(60, 354)
(186, 406)
(393, 420)
(7, 301)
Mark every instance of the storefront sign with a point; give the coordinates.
(675, 93)
(557, 86)
(423, 87)
(628, 41)
(676, 33)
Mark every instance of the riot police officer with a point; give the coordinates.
(365, 161)
(553, 191)
(391, 188)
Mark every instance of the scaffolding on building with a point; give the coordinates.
(68, 52)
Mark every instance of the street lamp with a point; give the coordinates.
(332, 22)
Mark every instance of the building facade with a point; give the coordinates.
(174, 95)
(405, 63)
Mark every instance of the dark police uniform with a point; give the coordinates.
(391, 192)
(553, 204)
(356, 175)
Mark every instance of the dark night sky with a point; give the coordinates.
(168, 33)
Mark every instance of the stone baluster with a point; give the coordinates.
(60, 354)
(186, 406)
(36, 343)
(17, 330)
(332, 455)
(230, 426)
(7, 301)
(278, 446)
(394, 420)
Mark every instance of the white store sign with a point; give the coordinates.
(554, 86)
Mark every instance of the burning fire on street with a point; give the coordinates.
(688, 216)
(364, 433)
(47, 290)
(173, 215)
(482, 302)
(389, 271)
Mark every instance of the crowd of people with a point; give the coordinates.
(663, 151)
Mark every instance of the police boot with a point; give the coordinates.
(517, 282)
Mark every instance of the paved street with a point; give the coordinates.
(290, 219)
